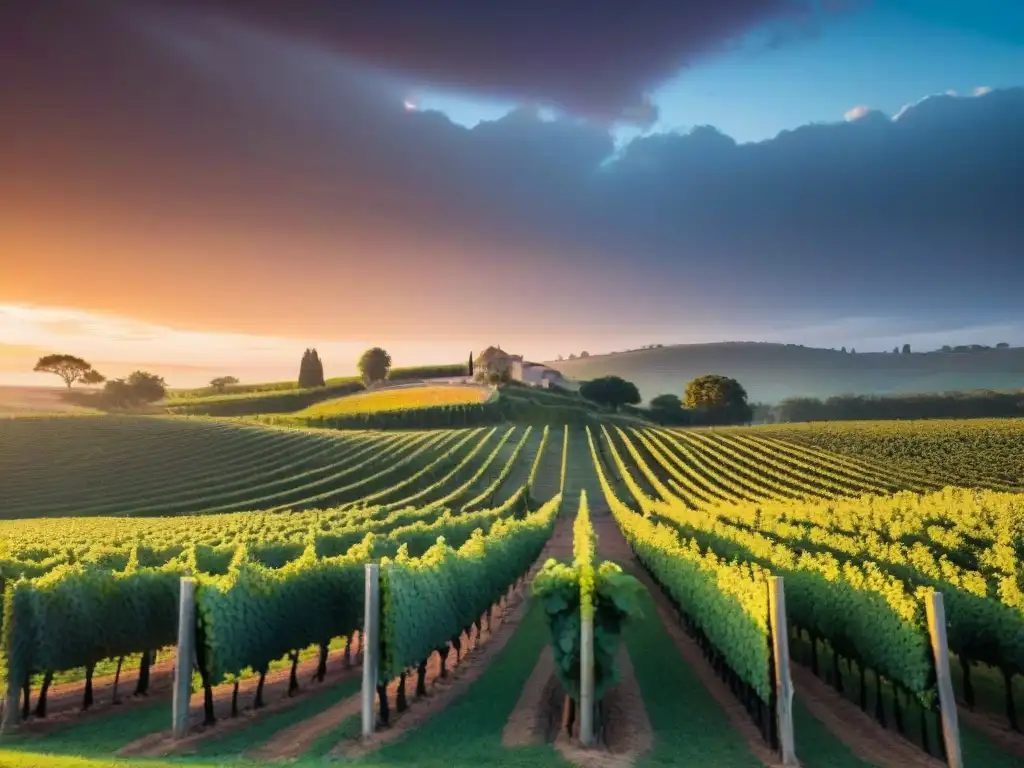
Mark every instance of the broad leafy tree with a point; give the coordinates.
(610, 391)
(374, 365)
(666, 403)
(138, 389)
(223, 382)
(147, 387)
(92, 377)
(719, 399)
(69, 368)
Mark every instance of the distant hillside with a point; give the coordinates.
(771, 372)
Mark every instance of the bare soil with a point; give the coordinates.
(299, 738)
(537, 715)
(474, 660)
(275, 695)
(626, 732)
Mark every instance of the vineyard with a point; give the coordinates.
(397, 398)
(491, 547)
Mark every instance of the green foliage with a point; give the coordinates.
(374, 365)
(255, 615)
(204, 394)
(610, 391)
(427, 601)
(221, 383)
(264, 402)
(667, 402)
(982, 453)
(69, 368)
(727, 601)
(862, 611)
(718, 400)
(571, 594)
(78, 614)
(431, 417)
(311, 370)
(584, 550)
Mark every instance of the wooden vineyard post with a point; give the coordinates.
(186, 655)
(370, 641)
(587, 681)
(947, 704)
(783, 681)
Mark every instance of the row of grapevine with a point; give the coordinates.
(273, 539)
(985, 610)
(964, 543)
(587, 606)
(862, 595)
(431, 417)
(428, 601)
(77, 615)
(977, 452)
(724, 603)
(863, 612)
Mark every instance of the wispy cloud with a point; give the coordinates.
(981, 90)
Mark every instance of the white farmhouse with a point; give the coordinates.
(496, 360)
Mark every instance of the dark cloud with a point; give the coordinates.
(594, 57)
(182, 125)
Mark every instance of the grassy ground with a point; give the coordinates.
(466, 733)
(690, 729)
(38, 401)
(977, 749)
(398, 398)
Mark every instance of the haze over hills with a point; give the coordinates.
(771, 372)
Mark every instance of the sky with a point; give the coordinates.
(204, 188)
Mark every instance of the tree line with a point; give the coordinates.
(707, 400)
(142, 387)
(139, 388)
(945, 405)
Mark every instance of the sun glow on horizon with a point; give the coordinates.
(117, 345)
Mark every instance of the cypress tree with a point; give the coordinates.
(305, 370)
(471, 365)
(316, 373)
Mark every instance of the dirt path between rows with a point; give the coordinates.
(995, 728)
(275, 690)
(444, 691)
(627, 730)
(531, 721)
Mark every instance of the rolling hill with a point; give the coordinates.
(771, 372)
